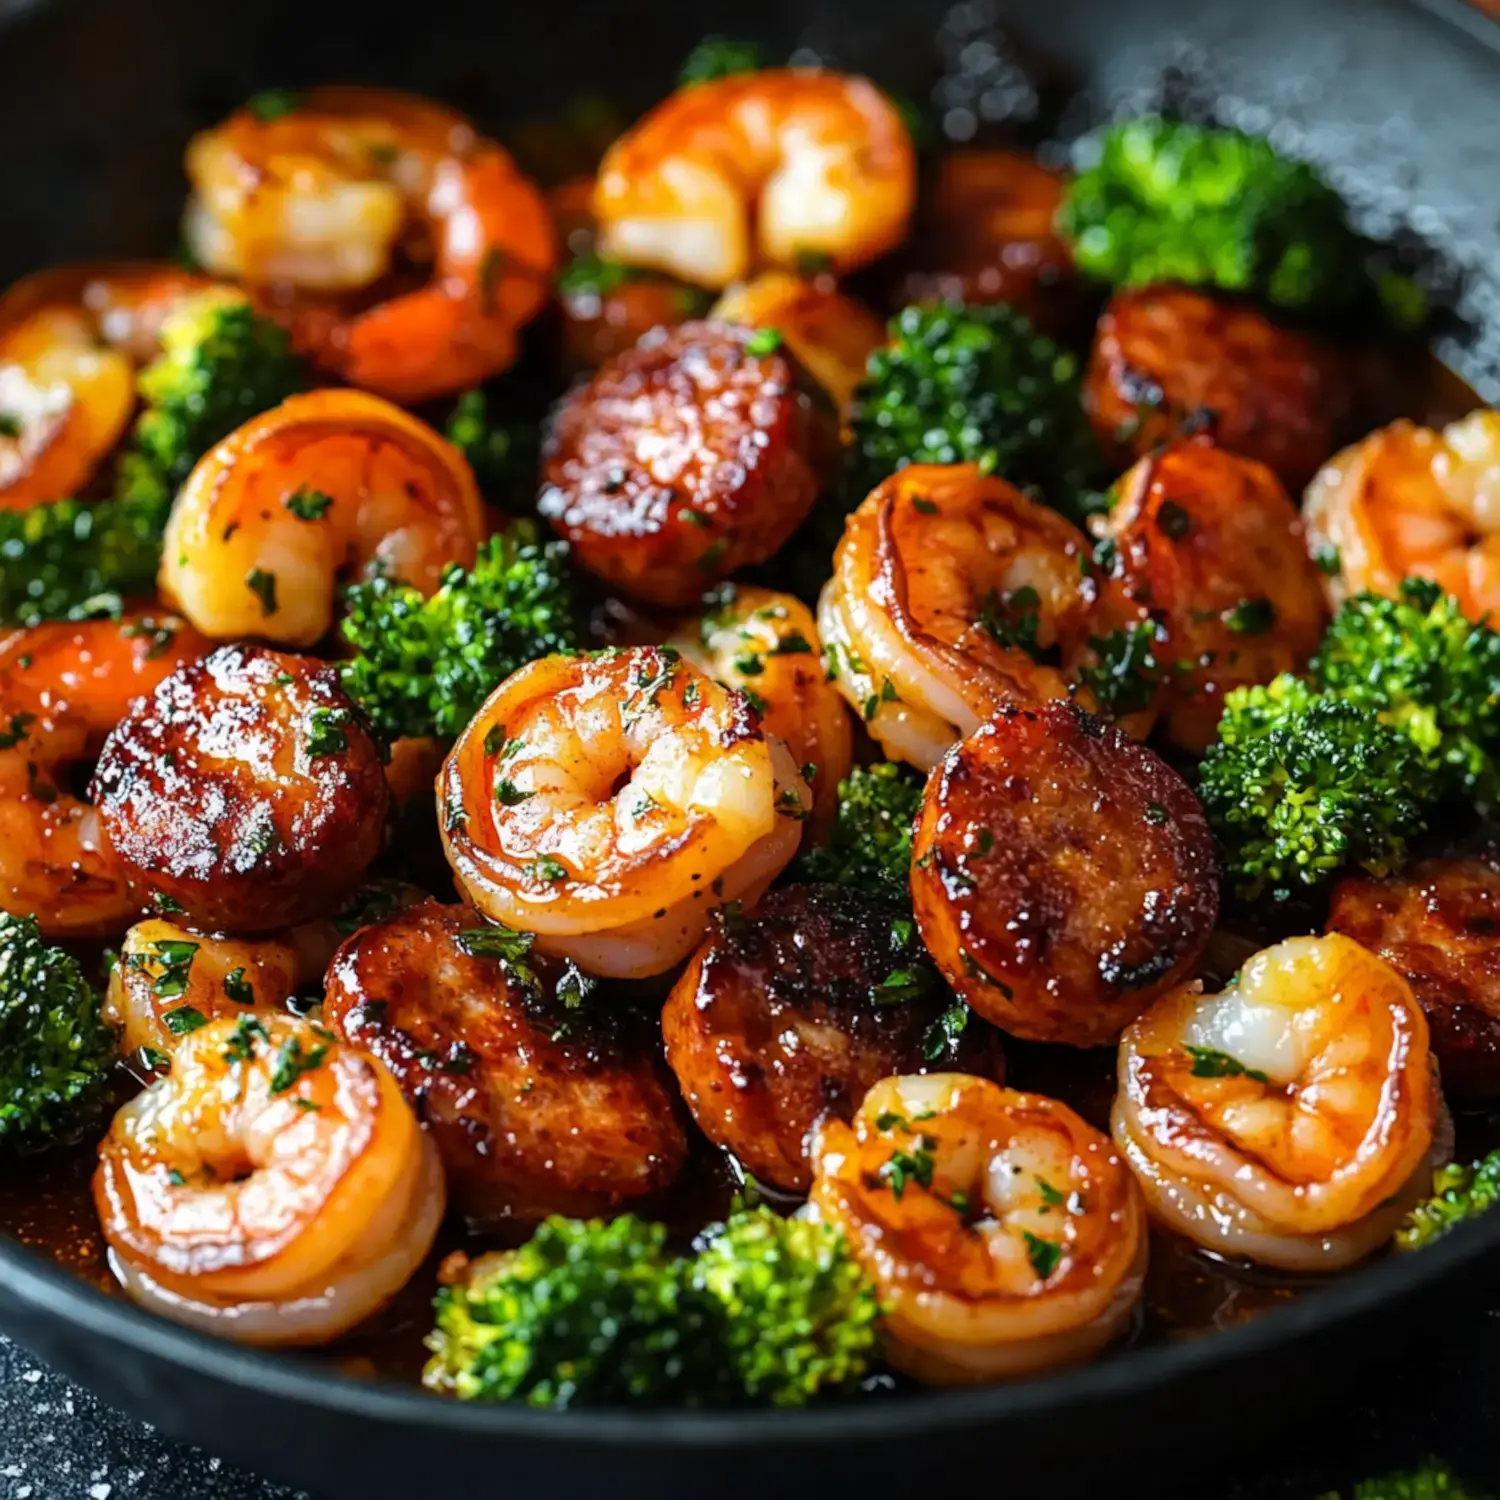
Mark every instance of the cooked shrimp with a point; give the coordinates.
(946, 586)
(695, 454)
(321, 489)
(832, 334)
(535, 1107)
(274, 1187)
(1169, 362)
(63, 688)
(1063, 875)
(93, 669)
(323, 196)
(766, 645)
(245, 793)
(1435, 923)
(609, 804)
(787, 1016)
(70, 340)
(760, 169)
(1004, 1234)
(1409, 501)
(986, 232)
(169, 980)
(1292, 1119)
(1209, 549)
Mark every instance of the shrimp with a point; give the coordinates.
(986, 232)
(246, 793)
(273, 1188)
(1169, 362)
(1294, 1118)
(1208, 549)
(608, 804)
(945, 586)
(321, 198)
(1435, 924)
(1410, 501)
(65, 687)
(1063, 875)
(832, 334)
(766, 645)
(787, 1016)
(697, 453)
(759, 170)
(319, 490)
(1003, 1233)
(70, 340)
(538, 1102)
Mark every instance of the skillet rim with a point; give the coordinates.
(49, 1291)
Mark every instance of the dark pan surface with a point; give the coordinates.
(1402, 109)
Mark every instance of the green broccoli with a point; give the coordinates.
(799, 1316)
(1427, 670)
(1458, 1193)
(959, 384)
(1170, 201)
(768, 1311)
(584, 1312)
(424, 666)
(870, 845)
(719, 57)
(504, 458)
(1300, 784)
(220, 365)
(1432, 1481)
(55, 1050)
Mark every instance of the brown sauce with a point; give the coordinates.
(46, 1203)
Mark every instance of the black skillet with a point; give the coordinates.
(1400, 104)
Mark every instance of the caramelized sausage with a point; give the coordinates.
(1438, 923)
(245, 793)
(535, 1108)
(985, 234)
(786, 1018)
(1169, 362)
(1063, 875)
(1208, 545)
(694, 454)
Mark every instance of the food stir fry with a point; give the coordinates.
(669, 880)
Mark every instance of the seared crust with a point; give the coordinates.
(245, 793)
(781, 1022)
(1209, 546)
(1438, 923)
(1063, 875)
(685, 459)
(535, 1109)
(1169, 362)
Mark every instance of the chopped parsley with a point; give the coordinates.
(1043, 1254)
(292, 1062)
(1209, 1062)
(308, 505)
(263, 585)
(183, 1020)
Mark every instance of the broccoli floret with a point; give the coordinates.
(959, 384)
(504, 458)
(55, 1050)
(719, 57)
(1426, 669)
(1170, 201)
(599, 1313)
(1300, 784)
(426, 665)
(1432, 1481)
(870, 845)
(1458, 1193)
(220, 365)
(799, 1316)
(585, 1312)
